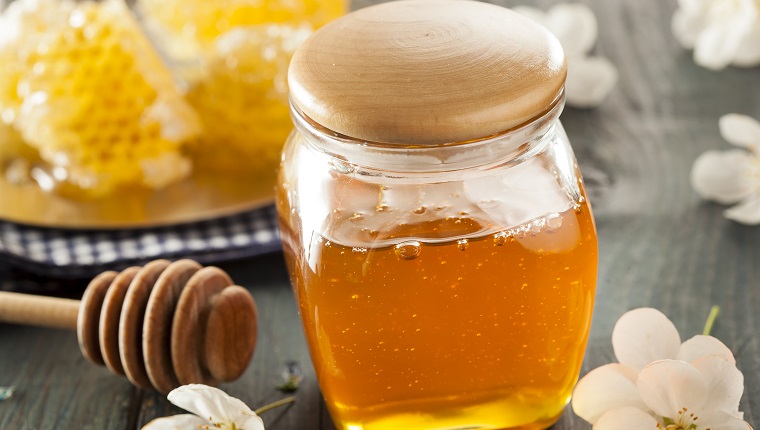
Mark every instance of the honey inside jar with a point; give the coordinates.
(490, 326)
(445, 305)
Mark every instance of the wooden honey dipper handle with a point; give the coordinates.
(161, 325)
(38, 310)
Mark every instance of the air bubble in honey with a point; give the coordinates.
(408, 250)
(356, 217)
(500, 238)
(521, 232)
(553, 222)
(420, 210)
(462, 244)
(370, 232)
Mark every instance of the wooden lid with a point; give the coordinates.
(427, 72)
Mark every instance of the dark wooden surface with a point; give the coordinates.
(660, 246)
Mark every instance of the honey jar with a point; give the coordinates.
(440, 245)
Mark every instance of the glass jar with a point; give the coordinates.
(444, 281)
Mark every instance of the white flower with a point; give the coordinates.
(732, 176)
(721, 32)
(212, 408)
(658, 376)
(589, 79)
(697, 396)
(682, 396)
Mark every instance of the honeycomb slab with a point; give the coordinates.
(93, 97)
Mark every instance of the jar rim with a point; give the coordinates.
(510, 145)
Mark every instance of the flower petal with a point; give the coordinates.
(717, 45)
(626, 418)
(748, 53)
(589, 80)
(700, 346)
(605, 388)
(721, 420)
(644, 335)
(668, 386)
(741, 130)
(746, 212)
(687, 24)
(209, 403)
(176, 422)
(723, 176)
(725, 383)
(575, 26)
(250, 422)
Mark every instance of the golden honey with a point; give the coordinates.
(86, 89)
(470, 332)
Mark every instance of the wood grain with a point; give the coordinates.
(230, 333)
(89, 316)
(215, 331)
(427, 72)
(40, 311)
(132, 320)
(108, 328)
(157, 327)
(188, 338)
(659, 246)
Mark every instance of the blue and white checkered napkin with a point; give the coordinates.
(80, 253)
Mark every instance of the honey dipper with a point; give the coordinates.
(162, 325)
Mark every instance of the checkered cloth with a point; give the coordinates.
(82, 253)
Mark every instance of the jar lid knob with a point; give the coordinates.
(423, 72)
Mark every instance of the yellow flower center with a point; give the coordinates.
(223, 426)
(684, 420)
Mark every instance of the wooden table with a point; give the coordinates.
(660, 246)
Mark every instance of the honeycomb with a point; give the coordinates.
(242, 99)
(94, 97)
(20, 24)
(202, 21)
